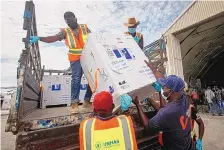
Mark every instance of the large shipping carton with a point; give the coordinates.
(115, 63)
(56, 90)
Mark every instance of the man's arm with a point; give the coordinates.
(141, 45)
(50, 39)
(155, 124)
(154, 70)
(157, 76)
(195, 116)
(154, 104)
(142, 115)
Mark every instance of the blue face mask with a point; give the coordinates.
(125, 101)
(131, 30)
(165, 97)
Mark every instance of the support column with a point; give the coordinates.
(174, 64)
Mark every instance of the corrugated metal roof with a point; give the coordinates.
(198, 11)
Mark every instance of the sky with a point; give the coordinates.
(100, 16)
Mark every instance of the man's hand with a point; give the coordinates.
(34, 39)
(135, 100)
(154, 70)
(199, 144)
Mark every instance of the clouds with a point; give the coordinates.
(103, 16)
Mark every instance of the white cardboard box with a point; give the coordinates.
(120, 66)
(56, 90)
(63, 94)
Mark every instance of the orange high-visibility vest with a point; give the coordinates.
(76, 44)
(139, 35)
(113, 134)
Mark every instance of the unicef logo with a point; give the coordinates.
(98, 145)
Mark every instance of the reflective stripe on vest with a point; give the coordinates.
(96, 139)
(160, 138)
(71, 39)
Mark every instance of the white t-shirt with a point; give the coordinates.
(209, 95)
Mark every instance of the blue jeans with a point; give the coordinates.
(211, 108)
(76, 82)
(220, 106)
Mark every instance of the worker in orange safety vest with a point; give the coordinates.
(132, 25)
(104, 130)
(75, 37)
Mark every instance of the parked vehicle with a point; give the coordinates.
(56, 128)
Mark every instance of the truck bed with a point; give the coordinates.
(51, 118)
(47, 113)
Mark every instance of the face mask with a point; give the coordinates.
(164, 97)
(131, 30)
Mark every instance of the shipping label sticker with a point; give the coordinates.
(83, 86)
(109, 51)
(147, 71)
(56, 87)
(120, 66)
(127, 53)
(123, 85)
(117, 53)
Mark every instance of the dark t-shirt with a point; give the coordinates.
(174, 121)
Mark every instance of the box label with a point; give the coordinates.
(120, 66)
(117, 53)
(83, 87)
(56, 87)
(147, 71)
(123, 85)
(127, 54)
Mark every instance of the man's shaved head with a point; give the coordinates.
(68, 14)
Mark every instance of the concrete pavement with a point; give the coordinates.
(7, 138)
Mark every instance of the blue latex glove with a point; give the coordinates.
(199, 144)
(137, 39)
(126, 101)
(157, 86)
(34, 39)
